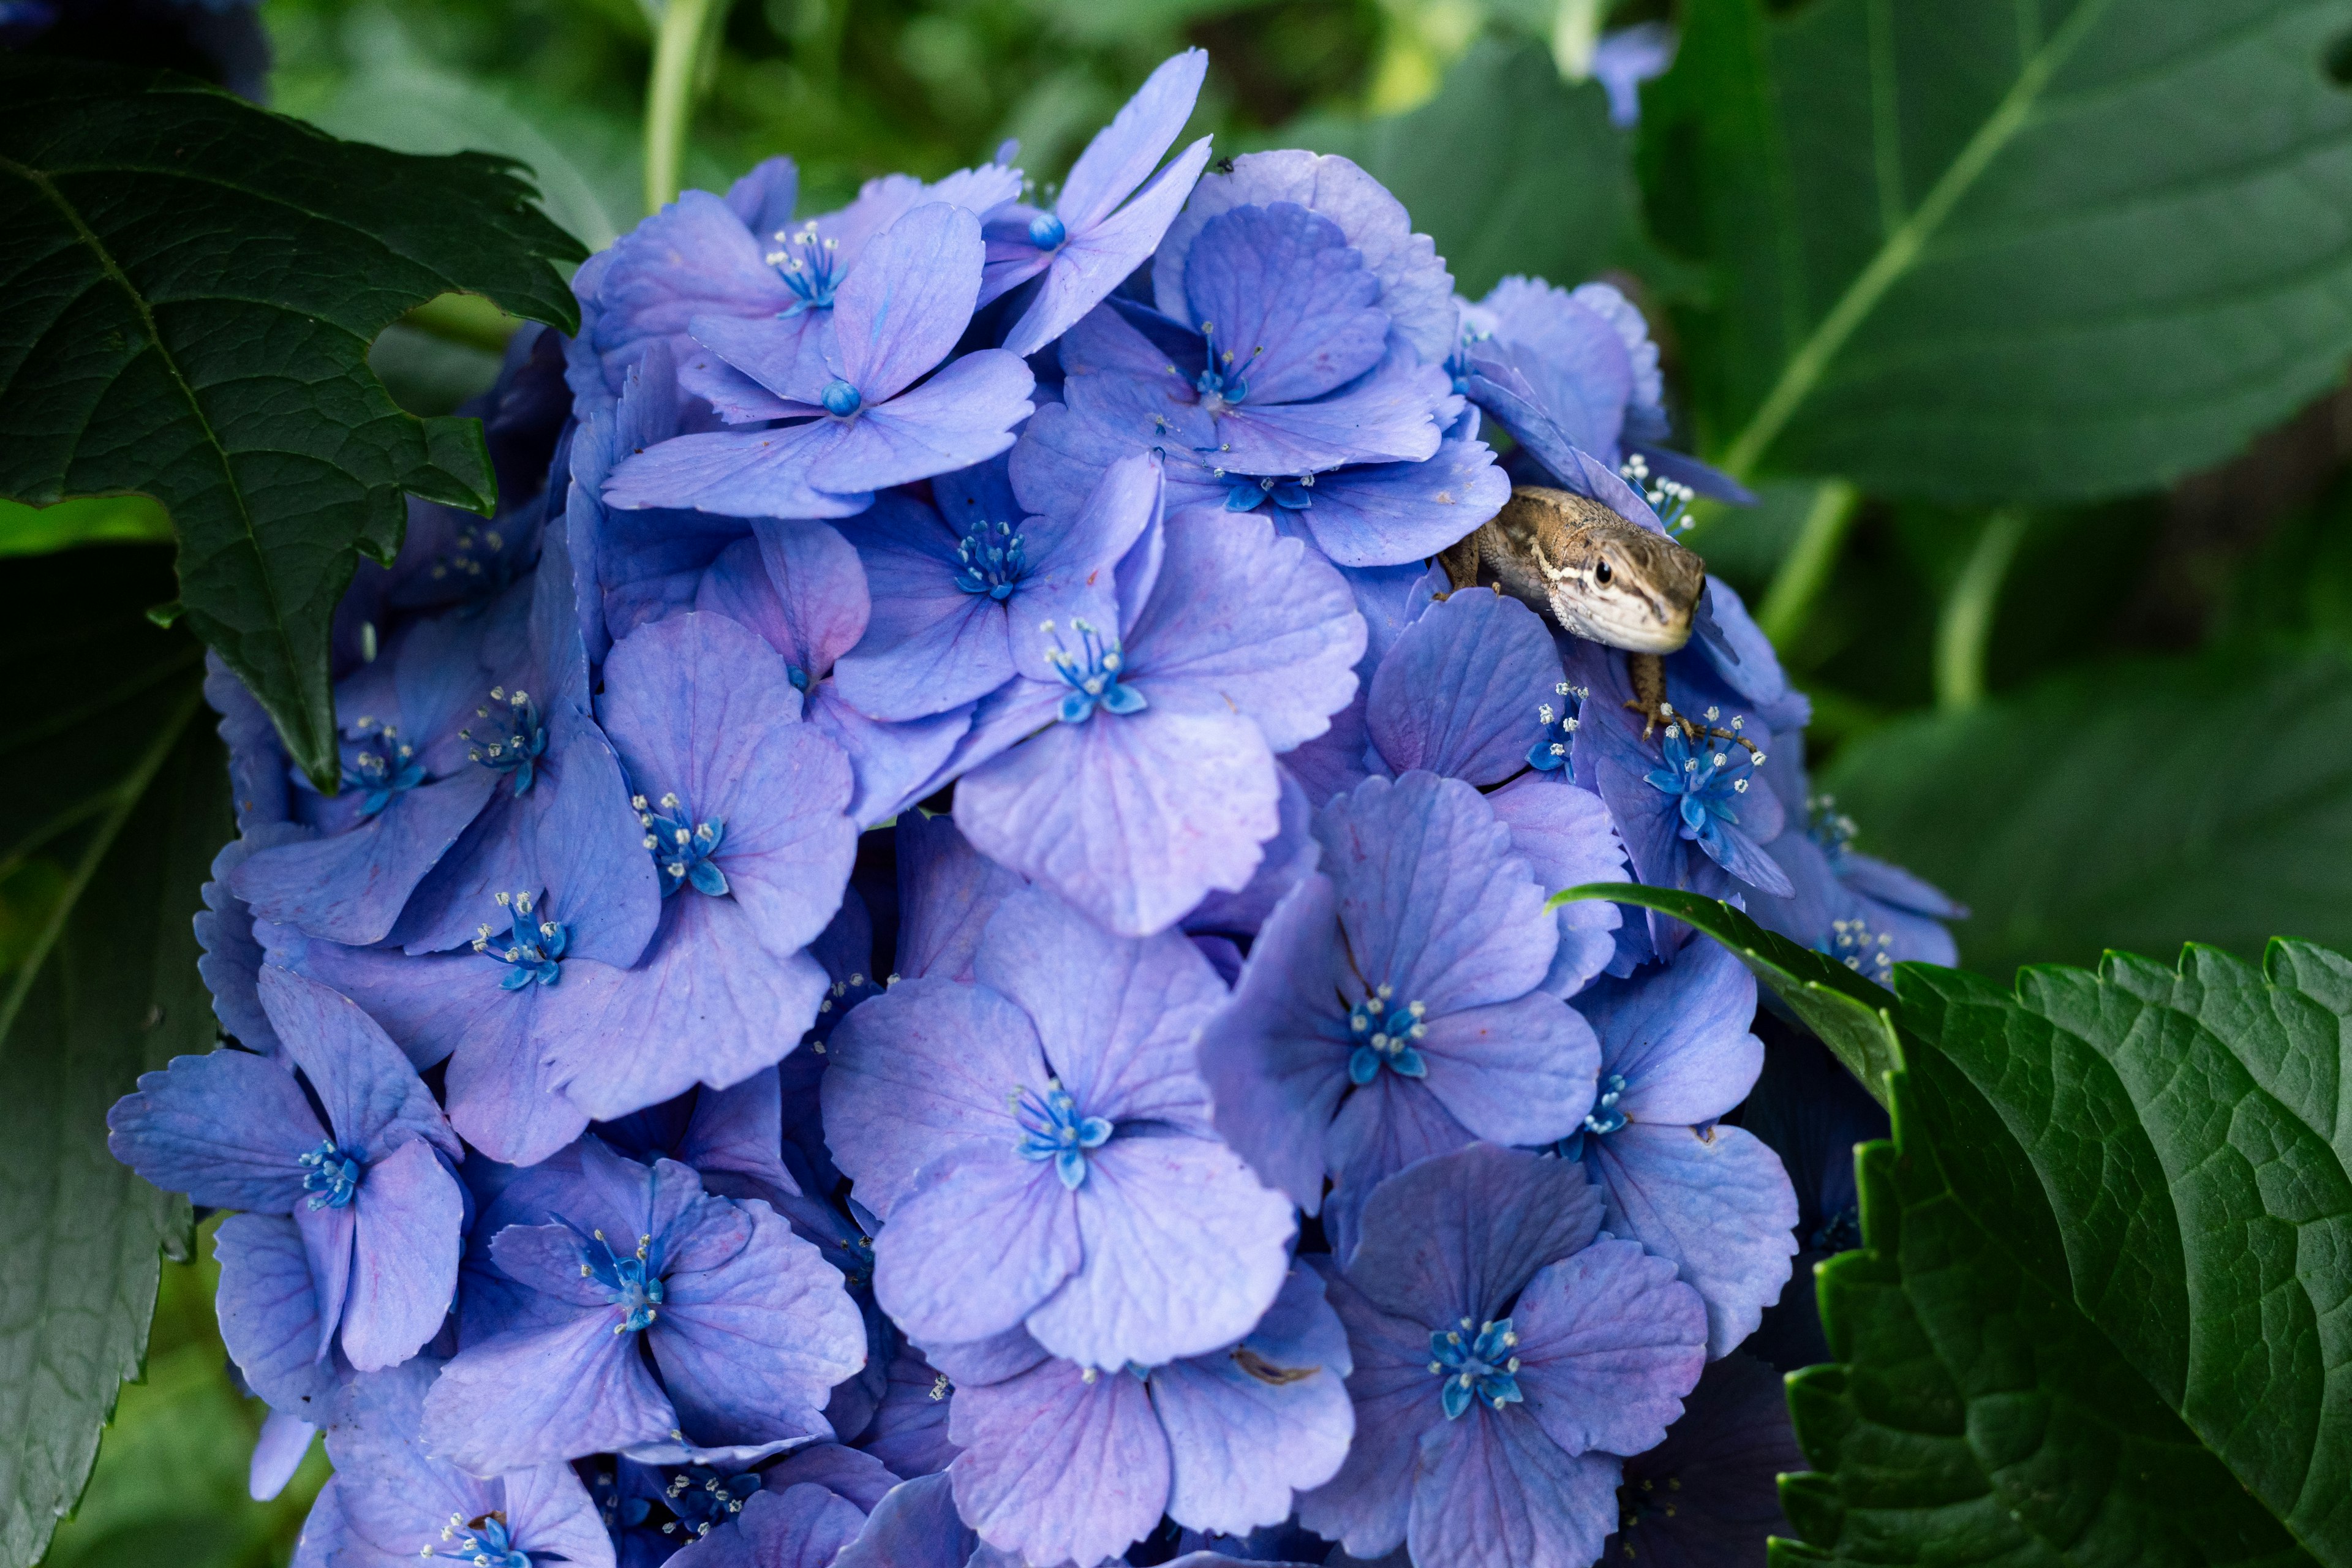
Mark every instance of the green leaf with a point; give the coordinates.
(2132, 805)
(2008, 252)
(124, 790)
(1509, 169)
(193, 286)
(1851, 1015)
(2099, 1312)
(36, 530)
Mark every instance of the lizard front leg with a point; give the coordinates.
(1460, 560)
(1648, 673)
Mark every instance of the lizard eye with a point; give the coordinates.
(1601, 573)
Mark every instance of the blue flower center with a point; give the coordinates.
(1220, 383)
(1047, 231)
(1604, 1115)
(1092, 673)
(331, 1175)
(517, 740)
(1384, 1038)
(797, 676)
(1670, 499)
(995, 561)
(681, 846)
(703, 1499)
(485, 1542)
(381, 768)
(1245, 492)
(532, 949)
(1827, 826)
(840, 399)
(808, 263)
(1866, 952)
(1549, 753)
(1051, 1129)
(1476, 1367)
(1707, 782)
(477, 559)
(631, 1282)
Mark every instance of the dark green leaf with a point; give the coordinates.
(105, 742)
(2053, 248)
(193, 286)
(1508, 168)
(2098, 1314)
(2134, 805)
(1849, 1013)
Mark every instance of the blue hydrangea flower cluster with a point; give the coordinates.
(934, 945)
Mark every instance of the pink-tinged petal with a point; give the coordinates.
(907, 301)
(1565, 832)
(1132, 817)
(1716, 1202)
(962, 415)
(351, 887)
(1609, 1343)
(1679, 1038)
(1243, 620)
(758, 473)
(1493, 1491)
(373, 1098)
(1519, 1072)
(749, 1348)
(705, 1004)
(1115, 1016)
(1276, 1057)
(1249, 1427)
(947, 892)
(268, 1311)
(1183, 1249)
(1286, 301)
(1365, 1507)
(1459, 1237)
(1083, 273)
(404, 1268)
(920, 1070)
(544, 1393)
(229, 1129)
(1129, 148)
(1464, 690)
(1060, 1464)
(801, 1526)
(983, 1238)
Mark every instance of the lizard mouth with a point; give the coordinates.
(1637, 623)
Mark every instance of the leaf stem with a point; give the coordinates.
(1805, 569)
(686, 27)
(1964, 627)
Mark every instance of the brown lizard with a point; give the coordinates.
(1588, 571)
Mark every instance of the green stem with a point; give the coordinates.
(1805, 569)
(685, 29)
(1964, 629)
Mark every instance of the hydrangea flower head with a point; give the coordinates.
(1506, 1354)
(1039, 1149)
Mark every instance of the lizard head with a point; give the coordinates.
(1601, 576)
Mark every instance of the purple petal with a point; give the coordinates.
(1276, 1058)
(323, 1533)
(762, 473)
(231, 961)
(847, 1472)
(1183, 1251)
(373, 1097)
(278, 1453)
(1566, 835)
(350, 887)
(906, 302)
(947, 892)
(1130, 818)
(539, 1395)
(1416, 292)
(1459, 1236)
(1385, 1126)
(1089, 566)
(916, 1526)
(784, 360)
(750, 1348)
(763, 198)
(1083, 272)
(1520, 1072)
(962, 415)
(1244, 620)
(1467, 689)
(1365, 1507)
(328, 1240)
(1495, 1492)
(1059, 1465)
(1609, 1343)
(1719, 1466)
(227, 1128)
(895, 765)
(1394, 514)
(801, 1526)
(1129, 148)
(1679, 1036)
(909, 1433)
(1386, 416)
(1715, 1202)
(984, 1237)
(799, 585)
(1580, 368)
(693, 257)
(268, 1311)
(1244, 1436)
(1279, 291)
(1289, 855)
(923, 1069)
(405, 1266)
(930, 645)
(551, 1512)
(503, 1098)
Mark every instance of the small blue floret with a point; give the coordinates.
(840, 399)
(1387, 1037)
(994, 560)
(515, 747)
(1479, 1366)
(1047, 231)
(483, 1542)
(384, 767)
(1092, 674)
(532, 948)
(633, 1280)
(682, 853)
(331, 1175)
(1051, 1129)
(1604, 1115)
